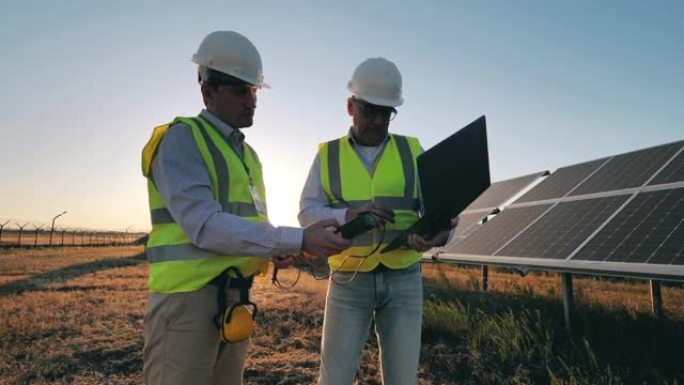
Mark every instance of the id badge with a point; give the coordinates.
(256, 198)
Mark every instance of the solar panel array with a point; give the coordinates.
(627, 170)
(649, 229)
(563, 228)
(562, 181)
(467, 221)
(489, 201)
(674, 172)
(619, 215)
(503, 227)
(500, 192)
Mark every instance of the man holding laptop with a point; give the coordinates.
(370, 170)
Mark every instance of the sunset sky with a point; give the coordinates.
(84, 83)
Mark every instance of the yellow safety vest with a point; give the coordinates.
(176, 265)
(392, 182)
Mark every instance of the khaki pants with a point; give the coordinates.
(182, 344)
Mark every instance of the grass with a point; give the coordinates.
(75, 315)
(514, 334)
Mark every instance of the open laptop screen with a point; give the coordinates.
(452, 174)
(455, 171)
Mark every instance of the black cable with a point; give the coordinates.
(331, 275)
(312, 268)
(276, 281)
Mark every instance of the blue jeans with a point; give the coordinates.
(394, 298)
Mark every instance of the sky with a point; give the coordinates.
(84, 82)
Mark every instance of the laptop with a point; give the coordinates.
(452, 174)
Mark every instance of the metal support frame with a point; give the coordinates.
(656, 299)
(485, 277)
(568, 300)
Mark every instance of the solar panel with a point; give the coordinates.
(466, 220)
(632, 169)
(597, 217)
(563, 228)
(561, 181)
(467, 224)
(502, 191)
(674, 172)
(650, 229)
(497, 231)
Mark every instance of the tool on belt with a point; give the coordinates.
(237, 322)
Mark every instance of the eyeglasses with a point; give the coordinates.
(372, 111)
(243, 90)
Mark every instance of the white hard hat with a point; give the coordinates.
(233, 54)
(377, 81)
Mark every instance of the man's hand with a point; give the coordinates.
(418, 243)
(321, 241)
(382, 213)
(284, 261)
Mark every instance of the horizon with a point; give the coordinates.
(559, 83)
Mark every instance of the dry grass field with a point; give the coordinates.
(75, 315)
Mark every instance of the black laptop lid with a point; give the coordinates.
(455, 171)
(452, 175)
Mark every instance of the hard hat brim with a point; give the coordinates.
(248, 81)
(381, 102)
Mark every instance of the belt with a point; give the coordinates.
(225, 281)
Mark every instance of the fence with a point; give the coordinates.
(21, 235)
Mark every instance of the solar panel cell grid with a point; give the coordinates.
(466, 220)
(673, 249)
(638, 232)
(650, 229)
(501, 191)
(466, 225)
(674, 172)
(561, 181)
(563, 228)
(632, 169)
(497, 231)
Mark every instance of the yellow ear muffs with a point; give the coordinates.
(237, 323)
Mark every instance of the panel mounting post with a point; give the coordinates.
(568, 300)
(656, 299)
(485, 277)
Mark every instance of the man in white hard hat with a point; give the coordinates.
(371, 170)
(210, 230)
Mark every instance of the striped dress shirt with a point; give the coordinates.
(183, 182)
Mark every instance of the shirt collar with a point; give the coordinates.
(223, 127)
(352, 141)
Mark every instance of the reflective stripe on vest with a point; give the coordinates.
(241, 209)
(176, 265)
(392, 183)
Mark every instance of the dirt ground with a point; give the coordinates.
(75, 316)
